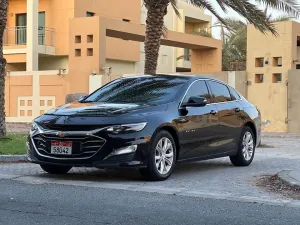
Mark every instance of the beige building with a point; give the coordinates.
(54, 48)
(273, 76)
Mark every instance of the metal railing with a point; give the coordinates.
(18, 36)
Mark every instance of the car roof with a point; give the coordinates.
(189, 77)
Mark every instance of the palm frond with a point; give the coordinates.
(245, 8)
(204, 4)
(291, 7)
(231, 24)
(253, 15)
(175, 8)
(282, 18)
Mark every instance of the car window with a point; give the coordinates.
(234, 94)
(220, 92)
(199, 89)
(140, 90)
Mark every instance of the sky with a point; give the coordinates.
(232, 14)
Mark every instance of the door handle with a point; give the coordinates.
(182, 120)
(213, 112)
(237, 109)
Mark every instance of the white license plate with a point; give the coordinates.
(61, 147)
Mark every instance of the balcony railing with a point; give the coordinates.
(18, 36)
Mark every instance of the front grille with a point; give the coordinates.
(82, 146)
(63, 127)
(120, 158)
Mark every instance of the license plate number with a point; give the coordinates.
(61, 147)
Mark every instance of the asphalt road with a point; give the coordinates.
(62, 204)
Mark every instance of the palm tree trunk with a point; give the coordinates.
(154, 32)
(3, 19)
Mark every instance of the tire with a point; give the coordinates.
(53, 169)
(161, 163)
(244, 157)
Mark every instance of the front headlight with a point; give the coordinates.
(126, 128)
(34, 127)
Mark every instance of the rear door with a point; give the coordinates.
(228, 108)
(197, 125)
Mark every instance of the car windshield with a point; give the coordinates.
(147, 90)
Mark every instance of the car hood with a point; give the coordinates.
(99, 114)
(97, 109)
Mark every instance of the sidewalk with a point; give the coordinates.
(290, 177)
(18, 128)
(281, 135)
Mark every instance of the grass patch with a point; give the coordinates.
(13, 144)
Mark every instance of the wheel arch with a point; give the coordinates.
(253, 128)
(174, 133)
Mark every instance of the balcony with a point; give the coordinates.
(17, 36)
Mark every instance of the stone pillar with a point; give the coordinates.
(32, 57)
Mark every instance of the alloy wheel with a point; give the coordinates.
(164, 155)
(248, 146)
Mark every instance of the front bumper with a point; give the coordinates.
(100, 158)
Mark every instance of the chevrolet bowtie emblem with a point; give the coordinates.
(61, 134)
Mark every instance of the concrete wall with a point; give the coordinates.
(120, 67)
(28, 95)
(270, 97)
(114, 9)
(293, 105)
(240, 82)
(206, 60)
(117, 49)
(16, 67)
(295, 33)
(53, 62)
(81, 65)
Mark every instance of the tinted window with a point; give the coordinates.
(220, 92)
(198, 89)
(139, 90)
(234, 94)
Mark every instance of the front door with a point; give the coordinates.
(229, 119)
(197, 125)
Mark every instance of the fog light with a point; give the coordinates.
(122, 151)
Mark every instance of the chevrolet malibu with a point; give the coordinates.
(149, 122)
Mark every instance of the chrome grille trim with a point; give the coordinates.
(71, 134)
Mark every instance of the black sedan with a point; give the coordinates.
(150, 123)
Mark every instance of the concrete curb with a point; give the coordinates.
(285, 177)
(13, 158)
(279, 135)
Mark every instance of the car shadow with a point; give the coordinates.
(203, 166)
(133, 175)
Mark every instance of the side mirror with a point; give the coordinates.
(195, 101)
(82, 98)
(75, 97)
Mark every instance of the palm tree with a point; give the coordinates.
(3, 19)
(234, 38)
(157, 10)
